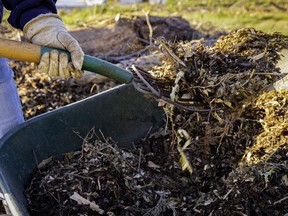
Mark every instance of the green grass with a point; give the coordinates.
(222, 15)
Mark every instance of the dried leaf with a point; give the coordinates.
(82, 201)
(257, 57)
(45, 162)
(153, 165)
(216, 116)
(285, 180)
(184, 161)
(283, 62)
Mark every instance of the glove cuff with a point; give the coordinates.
(41, 22)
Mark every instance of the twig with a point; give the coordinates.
(139, 161)
(52, 195)
(99, 184)
(281, 200)
(104, 138)
(171, 53)
(278, 6)
(150, 28)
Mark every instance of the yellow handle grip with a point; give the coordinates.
(21, 51)
(32, 53)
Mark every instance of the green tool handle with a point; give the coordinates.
(32, 53)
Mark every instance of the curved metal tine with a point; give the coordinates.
(145, 81)
(185, 107)
(143, 86)
(190, 103)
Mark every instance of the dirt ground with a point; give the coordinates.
(148, 179)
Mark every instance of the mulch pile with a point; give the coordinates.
(229, 160)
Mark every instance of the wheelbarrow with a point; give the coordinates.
(121, 113)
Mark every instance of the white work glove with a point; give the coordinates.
(49, 30)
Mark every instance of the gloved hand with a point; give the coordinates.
(49, 30)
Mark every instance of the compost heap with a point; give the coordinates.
(233, 159)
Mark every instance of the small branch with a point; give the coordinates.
(281, 200)
(278, 6)
(150, 28)
(171, 53)
(139, 161)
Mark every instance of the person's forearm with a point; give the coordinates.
(22, 11)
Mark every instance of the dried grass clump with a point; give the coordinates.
(237, 68)
(275, 125)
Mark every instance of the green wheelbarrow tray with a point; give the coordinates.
(121, 113)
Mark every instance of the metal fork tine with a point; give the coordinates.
(145, 83)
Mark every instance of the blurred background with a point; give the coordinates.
(264, 15)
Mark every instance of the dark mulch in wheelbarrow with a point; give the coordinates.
(230, 161)
(148, 180)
